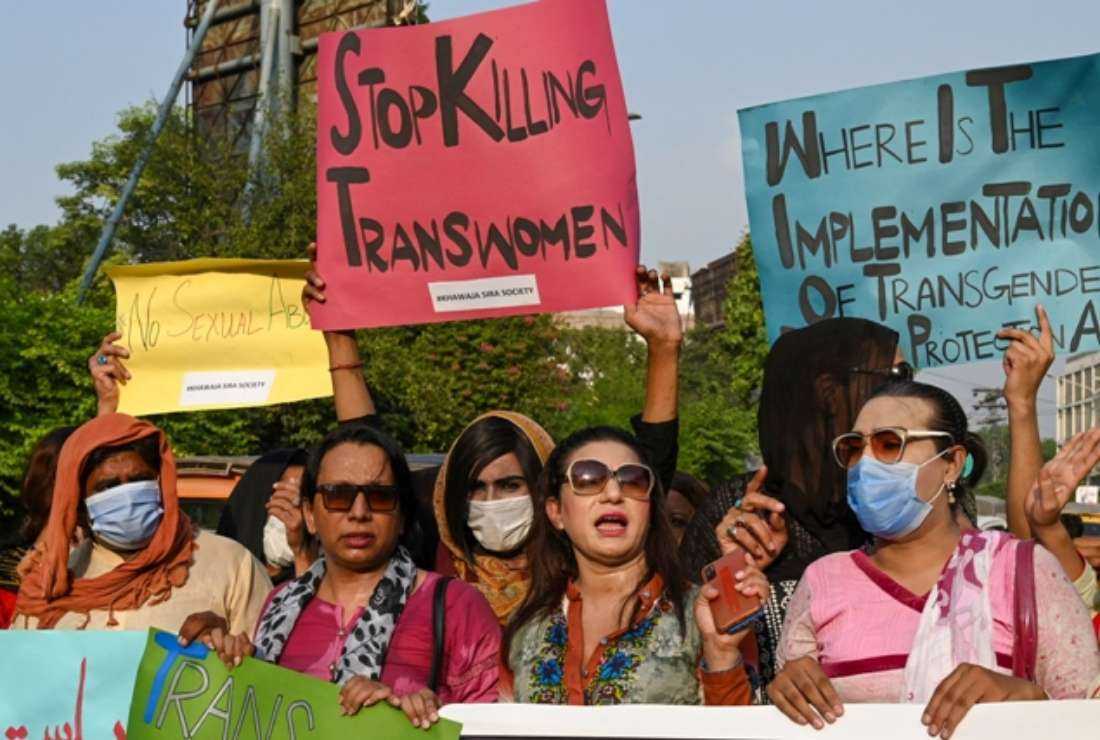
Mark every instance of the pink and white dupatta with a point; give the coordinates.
(956, 625)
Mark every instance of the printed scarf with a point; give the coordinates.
(365, 648)
(956, 625)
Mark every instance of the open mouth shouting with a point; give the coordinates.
(612, 523)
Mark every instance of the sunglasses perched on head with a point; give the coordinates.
(887, 444)
(902, 371)
(590, 477)
(341, 496)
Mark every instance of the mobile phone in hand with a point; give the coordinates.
(733, 611)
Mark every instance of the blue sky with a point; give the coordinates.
(687, 68)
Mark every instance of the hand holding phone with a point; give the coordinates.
(732, 610)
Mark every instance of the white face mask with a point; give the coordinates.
(276, 550)
(501, 526)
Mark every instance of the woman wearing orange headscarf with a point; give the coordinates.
(145, 564)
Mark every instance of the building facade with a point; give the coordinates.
(1077, 395)
(708, 290)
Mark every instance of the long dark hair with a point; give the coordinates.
(947, 416)
(412, 533)
(483, 442)
(36, 493)
(550, 553)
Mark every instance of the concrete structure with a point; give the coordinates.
(709, 290)
(612, 316)
(258, 45)
(1078, 396)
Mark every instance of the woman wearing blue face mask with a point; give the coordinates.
(144, 565)
(930, 614)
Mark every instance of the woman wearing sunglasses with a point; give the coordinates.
(478, 505)
(610, 617)
(363, 616)
(932, 614)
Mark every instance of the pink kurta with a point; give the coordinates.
(860, 625)
(471, 656)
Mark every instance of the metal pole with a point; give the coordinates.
(108, 232)
(270, 20)
(287, 76)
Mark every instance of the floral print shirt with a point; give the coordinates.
(648, 662)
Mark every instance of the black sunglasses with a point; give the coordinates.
(341, 496)
(902, 371)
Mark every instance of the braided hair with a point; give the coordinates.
(948, 416)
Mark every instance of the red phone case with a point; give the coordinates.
(732, 610)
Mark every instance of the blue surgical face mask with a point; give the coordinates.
(126, 517)
(884, 497)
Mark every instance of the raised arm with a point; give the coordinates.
(349, 388)
(1056, 483)
(1026, 362)
(655, 318)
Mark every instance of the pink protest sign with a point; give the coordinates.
(473, 168)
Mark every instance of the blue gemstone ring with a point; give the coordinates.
(102, 359)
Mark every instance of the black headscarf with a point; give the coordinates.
(810, 395)
(245, 514)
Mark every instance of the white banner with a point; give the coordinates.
(1041, 720)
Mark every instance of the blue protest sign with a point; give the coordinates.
(70, 684)
(945, 207)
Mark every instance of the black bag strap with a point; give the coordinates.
(439, 626)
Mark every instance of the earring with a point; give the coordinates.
(951, 486)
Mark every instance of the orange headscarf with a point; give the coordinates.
(49, 591)
(503, 583)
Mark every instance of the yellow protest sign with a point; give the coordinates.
(216, 334)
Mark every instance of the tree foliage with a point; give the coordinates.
(722, 371)
(197, 198)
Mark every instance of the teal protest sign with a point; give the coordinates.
(945, 207)
(189, 693)
(60, 684)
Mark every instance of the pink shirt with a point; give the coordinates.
(860, 624)
(471, 654)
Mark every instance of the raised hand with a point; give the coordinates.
(286, 505)
(1059, 478)
(1027, 359)
(107, 371)
(314, 289)
(654, 316)
(756, 524)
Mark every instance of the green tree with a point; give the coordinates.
(608, 370)
(430, 381)
(722, 371)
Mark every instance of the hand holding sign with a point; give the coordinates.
(108, 372)
(654, 316)
(473, 168)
